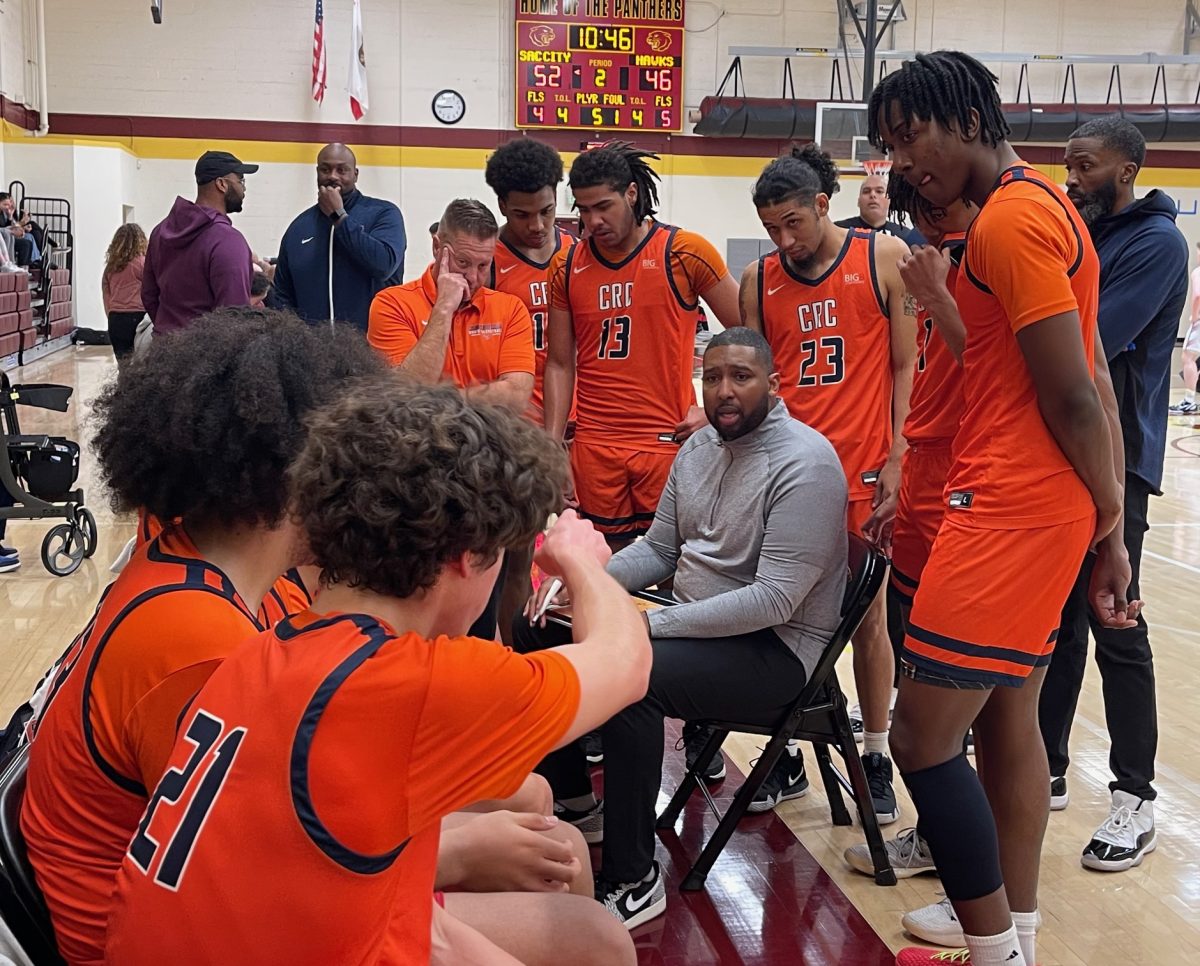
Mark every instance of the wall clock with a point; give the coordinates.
(449, 106)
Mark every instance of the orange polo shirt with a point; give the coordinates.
(491, 335)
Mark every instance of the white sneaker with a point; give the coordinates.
(907, 853)
(1059, 796)
(939, 925)
(1126, 836)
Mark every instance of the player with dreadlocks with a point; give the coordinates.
(1035, 481)
(623, 311)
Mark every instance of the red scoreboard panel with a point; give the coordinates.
(612, 65)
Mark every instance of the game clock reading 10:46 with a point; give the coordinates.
(590, 75)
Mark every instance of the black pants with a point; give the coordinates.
(1126, 667)
(23, 251)
(121, 327)
(485, 624)
(751, 678)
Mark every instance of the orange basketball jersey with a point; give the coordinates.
(287, 595)
(517, 275)
(301, 812)
(831, 337)
(109, 723)
(936, 404)
(1029, 257)
(635, 333)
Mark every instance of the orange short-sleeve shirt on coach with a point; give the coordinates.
(491, 335)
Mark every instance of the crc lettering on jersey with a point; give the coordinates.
(616, 295)
(537, 293)
(821, 314)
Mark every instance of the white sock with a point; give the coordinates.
(794, 747)
(584, 803)
(1189, 395)
(1002, 950)
(1026, 924)
(875, 741)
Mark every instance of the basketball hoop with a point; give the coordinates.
(879, 167)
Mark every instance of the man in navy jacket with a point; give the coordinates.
(342, 250)
(1143, 287)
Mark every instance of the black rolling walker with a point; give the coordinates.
(39, 473)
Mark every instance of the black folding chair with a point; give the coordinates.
(21, 904)
(818, 715)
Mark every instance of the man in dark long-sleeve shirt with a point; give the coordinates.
(336, 255)
(751, 525)
(1143, 286)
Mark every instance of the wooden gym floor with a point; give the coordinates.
(781, 893)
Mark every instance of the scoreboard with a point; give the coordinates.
(613, 65)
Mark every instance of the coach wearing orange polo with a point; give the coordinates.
(448, 326)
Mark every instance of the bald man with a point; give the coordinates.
(873, 212)
(337, 254)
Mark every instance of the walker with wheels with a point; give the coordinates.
(39, 475)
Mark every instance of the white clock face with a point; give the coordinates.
(449, 106)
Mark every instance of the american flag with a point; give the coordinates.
(318, 89)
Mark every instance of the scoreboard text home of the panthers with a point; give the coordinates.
(600, 64)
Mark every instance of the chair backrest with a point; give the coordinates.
(865, 569)
(21, 902)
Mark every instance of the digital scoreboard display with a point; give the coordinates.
(600, 64)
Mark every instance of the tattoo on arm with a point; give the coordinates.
(910, 305)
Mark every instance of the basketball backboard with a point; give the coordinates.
(841, 129)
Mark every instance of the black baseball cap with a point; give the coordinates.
(217, 164)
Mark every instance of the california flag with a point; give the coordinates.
(357, 84)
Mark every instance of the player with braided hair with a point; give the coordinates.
(1034, 482)
(832, 305)
(621, 331)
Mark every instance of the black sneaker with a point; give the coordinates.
(879, 779)
(695, 737)
(1059, 797)
(786, 781)
(1184, 408)
(593, 750)
(589, 822)
(634, 903)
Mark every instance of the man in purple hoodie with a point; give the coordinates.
(196, 260)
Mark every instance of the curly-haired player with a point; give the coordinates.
(623, 312)
(200, 430)
(833, 308)
(525, 175)
(1036, 481)
(341, 738)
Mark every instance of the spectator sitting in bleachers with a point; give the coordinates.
(18, 227)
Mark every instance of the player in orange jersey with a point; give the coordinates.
(301, 811)
(199, 430)
(831, 304)
(1036, 481)
(935, 410)
(622, 329)
(936, 403)
(525, 175)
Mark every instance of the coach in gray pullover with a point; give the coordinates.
(752, 525)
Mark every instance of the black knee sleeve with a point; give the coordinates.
(955, 820)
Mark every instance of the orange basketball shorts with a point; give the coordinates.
(857, 513)
(990, 602)
(919, 513)
(618, 489)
